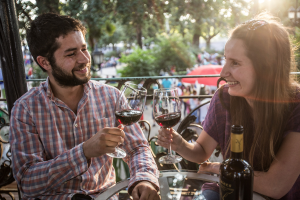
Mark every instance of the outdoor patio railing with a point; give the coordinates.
(148, 81)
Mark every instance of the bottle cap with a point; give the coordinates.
(237, 129)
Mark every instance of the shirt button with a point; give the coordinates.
(76, 125)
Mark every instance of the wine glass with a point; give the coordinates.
(128, 109)
(167, 113)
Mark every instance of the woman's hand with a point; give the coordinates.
(210, 167)
(169, 136)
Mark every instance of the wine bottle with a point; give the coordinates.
(236, 174)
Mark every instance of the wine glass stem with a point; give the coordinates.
(170, 150)
(121, 126)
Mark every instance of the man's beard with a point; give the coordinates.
(65, 79)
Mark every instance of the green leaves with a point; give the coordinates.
(139, 63)
(110, 28)
(170, 51)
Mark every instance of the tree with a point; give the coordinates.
(96, 15)
(135, 13)
(211, 28)
(24, 10)
(204, 19)
(169, 51)
(172, 51)
(45, 6)
(139, 63)
(114, 38)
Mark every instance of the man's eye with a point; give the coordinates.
(84, 49)
(72, 54)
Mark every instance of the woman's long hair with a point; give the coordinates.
(268, 47)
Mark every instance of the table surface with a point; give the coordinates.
(175, 185)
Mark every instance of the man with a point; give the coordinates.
(166, 83)
(61, 131)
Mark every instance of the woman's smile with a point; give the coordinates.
(232, 83)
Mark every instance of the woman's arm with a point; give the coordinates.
(284, 170)
(197, 152)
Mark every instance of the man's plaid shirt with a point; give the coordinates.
(46, 140)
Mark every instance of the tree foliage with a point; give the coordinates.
(205, 19)
(140, 21)
(96, 15)
(25, 12)
(45, 6)
(172, 51)
(139, 63)
(168, 52)
(136, 13)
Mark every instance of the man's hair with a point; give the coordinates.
(42, 33)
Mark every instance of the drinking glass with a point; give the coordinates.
(167, 113)
(128, 109)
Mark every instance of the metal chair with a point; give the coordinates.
(6, 175)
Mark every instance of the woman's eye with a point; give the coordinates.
(234, 63)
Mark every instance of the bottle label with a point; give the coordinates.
(237, 143)
(227, 189)
(237, 187)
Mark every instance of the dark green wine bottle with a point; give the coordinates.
(236, 174)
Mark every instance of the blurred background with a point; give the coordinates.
(152, 37)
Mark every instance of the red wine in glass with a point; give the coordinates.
(167, 113)
(128, 117)
(168, 120)
(129, 109)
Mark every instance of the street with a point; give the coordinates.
(109, 72)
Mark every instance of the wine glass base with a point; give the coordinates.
(119, 153)
(170, 159)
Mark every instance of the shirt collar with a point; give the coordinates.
(86, 87)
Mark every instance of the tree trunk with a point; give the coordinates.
(139, 36)
(208, 43)
(182, 31)
(196, 38)
(91, 43)
(197, 34)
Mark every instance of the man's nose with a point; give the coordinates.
(84, 57)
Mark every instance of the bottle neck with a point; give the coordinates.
(236, 155)
(237, 145)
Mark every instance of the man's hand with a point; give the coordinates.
(144, 190)
(103, 142)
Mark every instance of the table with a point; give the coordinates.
(175, 185)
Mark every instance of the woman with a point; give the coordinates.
(261, 95)
(186, 92)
